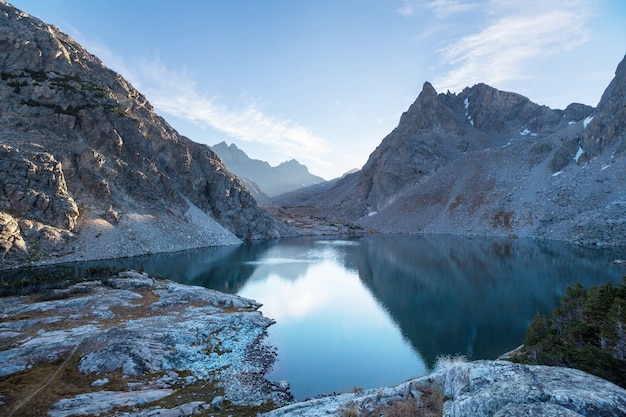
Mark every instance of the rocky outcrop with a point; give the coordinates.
(272, 181)
(131, 341)
(81, 148)
(607, 128)
(488, 162)
(486, 389)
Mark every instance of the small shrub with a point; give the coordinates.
(448, 361)
(350, 412)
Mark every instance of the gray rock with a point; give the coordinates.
(100, 402)
(100, 382)
(488, 388)
(186, 338)
(217, 402)
(183, 410)
(130, 280)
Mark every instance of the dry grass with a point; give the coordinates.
(428, 404)
(33, 392)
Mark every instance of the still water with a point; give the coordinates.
(378, 310)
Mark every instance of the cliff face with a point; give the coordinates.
(491, 162)
(83, 151)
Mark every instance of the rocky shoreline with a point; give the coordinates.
(124, 343)
(134, 345)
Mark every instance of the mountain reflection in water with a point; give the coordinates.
(380, 309)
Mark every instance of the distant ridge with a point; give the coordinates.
(272, 181)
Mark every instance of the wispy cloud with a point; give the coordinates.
(516, 33)
(174, 92)
(441, 8)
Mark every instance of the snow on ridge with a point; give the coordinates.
(466, 103)
(579, 152)
(556, 174)
(587, 121)
(508, 143)
(527, 132)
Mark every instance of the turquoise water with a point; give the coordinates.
(378, 310)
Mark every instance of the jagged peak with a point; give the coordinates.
(428, 92)
(615, 94)
(292, 161)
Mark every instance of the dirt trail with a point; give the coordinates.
(56, 373)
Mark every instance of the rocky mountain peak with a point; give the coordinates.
(438, 128)
(607, 129)
(486, 161)
(614, 97)
(65, 116)
(428, 92)
(429, 112)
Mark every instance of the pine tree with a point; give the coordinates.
(595, 310)
(570, 307)
(614, 329)
(587, 331)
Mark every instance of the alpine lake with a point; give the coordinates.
(377, 310)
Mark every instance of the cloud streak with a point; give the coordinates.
(515, 34)
(441, 8)
(174, 92)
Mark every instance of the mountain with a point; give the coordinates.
(490, 162)
(272, 181)
(89, 170)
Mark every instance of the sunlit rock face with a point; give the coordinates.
(83, 152)
(489, 162)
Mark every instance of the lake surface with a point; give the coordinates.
(380, 309)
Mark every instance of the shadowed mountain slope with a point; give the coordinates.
(491, 162)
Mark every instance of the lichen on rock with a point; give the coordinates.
(150, 340)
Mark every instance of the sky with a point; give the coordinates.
(324, 81)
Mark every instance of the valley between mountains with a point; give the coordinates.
(91, 171)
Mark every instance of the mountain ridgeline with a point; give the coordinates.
(261, 178)
(491, 162)
(90, 170)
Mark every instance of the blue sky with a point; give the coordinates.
(324, 81)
